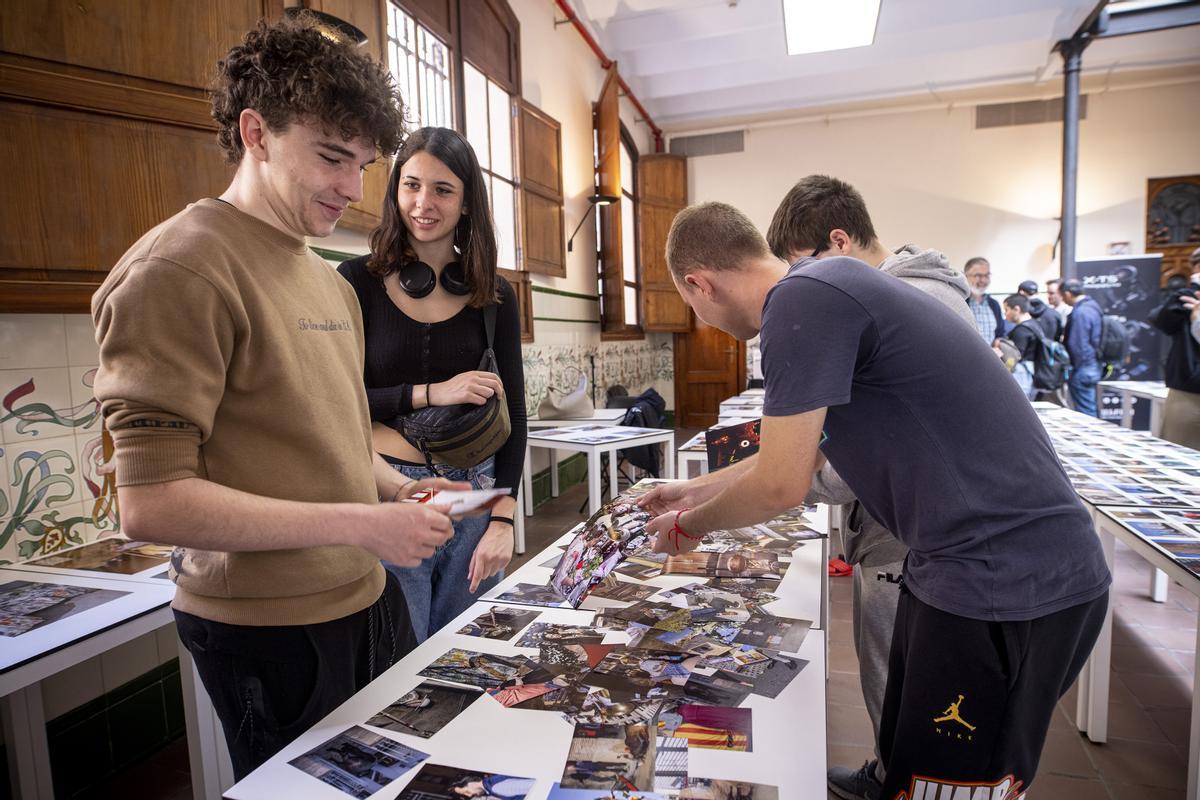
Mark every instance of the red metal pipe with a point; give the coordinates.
(605, 63)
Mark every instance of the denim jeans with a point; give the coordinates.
(1082, 384)
(437, 591)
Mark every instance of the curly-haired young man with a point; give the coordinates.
(231, 378)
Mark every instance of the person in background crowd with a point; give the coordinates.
(1083, 343)
(1178, 318)
(1055, 301)
(824, 214)
(1049, 319)
(423, 290)
(1005, 586)
(1016, 311)
(989, 319)
(231, 379)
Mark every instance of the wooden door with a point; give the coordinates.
(710, 366)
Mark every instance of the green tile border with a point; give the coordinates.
(595, 298)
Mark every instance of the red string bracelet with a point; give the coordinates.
(677, 531)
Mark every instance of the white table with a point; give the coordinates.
(81, 637)
(1153, 391)
(1091, 715)
(575, 439)
(533, 744)
(693, 451)
(601, 416)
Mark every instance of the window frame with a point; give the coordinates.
(619, 331)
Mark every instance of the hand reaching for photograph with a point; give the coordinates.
(669, 539)
(675, 495)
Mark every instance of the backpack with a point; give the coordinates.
(1115, 341)
(1051, 362)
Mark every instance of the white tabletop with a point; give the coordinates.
(1154, 390)
(534, 744)
(107, 603)
(602, 416)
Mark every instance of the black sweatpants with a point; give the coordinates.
(270, 684)
(968, 702)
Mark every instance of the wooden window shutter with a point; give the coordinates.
(606, 118)
(524, 292)
(662, 193)
(542, 230)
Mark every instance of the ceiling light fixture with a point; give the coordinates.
(817, 26)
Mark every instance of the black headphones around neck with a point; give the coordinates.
(418, 279)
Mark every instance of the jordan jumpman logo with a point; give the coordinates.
(952, 715)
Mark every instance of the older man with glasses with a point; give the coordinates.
(989, 319)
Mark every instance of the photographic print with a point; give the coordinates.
(499, 622)
(425, 710)
(541, 633)
(559, 792)
(606, 538)
(715, 789)
(530, 595)
(28, 605)
(768, 673)
(732, 444)
(773, 633)
(436, 782)
(731, 564)
(611, 757)
(358, 762)
(117, 556)
(713, 727)
(484, 670)
(622, 591)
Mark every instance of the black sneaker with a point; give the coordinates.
(859, 784)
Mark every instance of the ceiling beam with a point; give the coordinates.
(1146, 20)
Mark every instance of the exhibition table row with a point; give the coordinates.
(680, 677)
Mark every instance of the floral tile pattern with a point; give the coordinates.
(636, 365)
(52, 492)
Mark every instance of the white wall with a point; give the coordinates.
(929, 177)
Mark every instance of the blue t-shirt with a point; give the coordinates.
(934, 437)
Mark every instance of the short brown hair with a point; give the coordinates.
(816, 205)
(971, 262)
(712, 236)
(289, 71)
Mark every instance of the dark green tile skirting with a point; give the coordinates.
(89, 743)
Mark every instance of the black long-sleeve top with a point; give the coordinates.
(402, 352)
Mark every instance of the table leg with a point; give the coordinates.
(1091, 710)
(594, 496)
(553, 472)
(212, 772)
(25, 738)
(527, 483)
(1126, 410)
(683, 470)
(668, 462)
(519, 524)
(612, 474)
(1158, 586)
(1193, 783)
(1156, 411)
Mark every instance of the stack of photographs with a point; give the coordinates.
(618, 528)
(482, 670)
(594, 434)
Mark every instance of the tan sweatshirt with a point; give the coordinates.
(229, 351)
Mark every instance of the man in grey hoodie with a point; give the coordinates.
(818, 213)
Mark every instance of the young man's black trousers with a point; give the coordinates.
(270, 684)
(968, 702)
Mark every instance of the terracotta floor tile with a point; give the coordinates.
(1065, 754)
(1131, 721)
(849, 725)
(1175, 723)
(1140, 763)
(842, 657)
(1124, 791)
(1158, 690)
(845, 689)
(1062, 787)
(1151, 660)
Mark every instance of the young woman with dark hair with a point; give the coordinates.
(423, 288)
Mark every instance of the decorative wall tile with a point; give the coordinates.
(81, 340)
(32, 341)
(636, 365)
(81, 380)
(36, 403)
